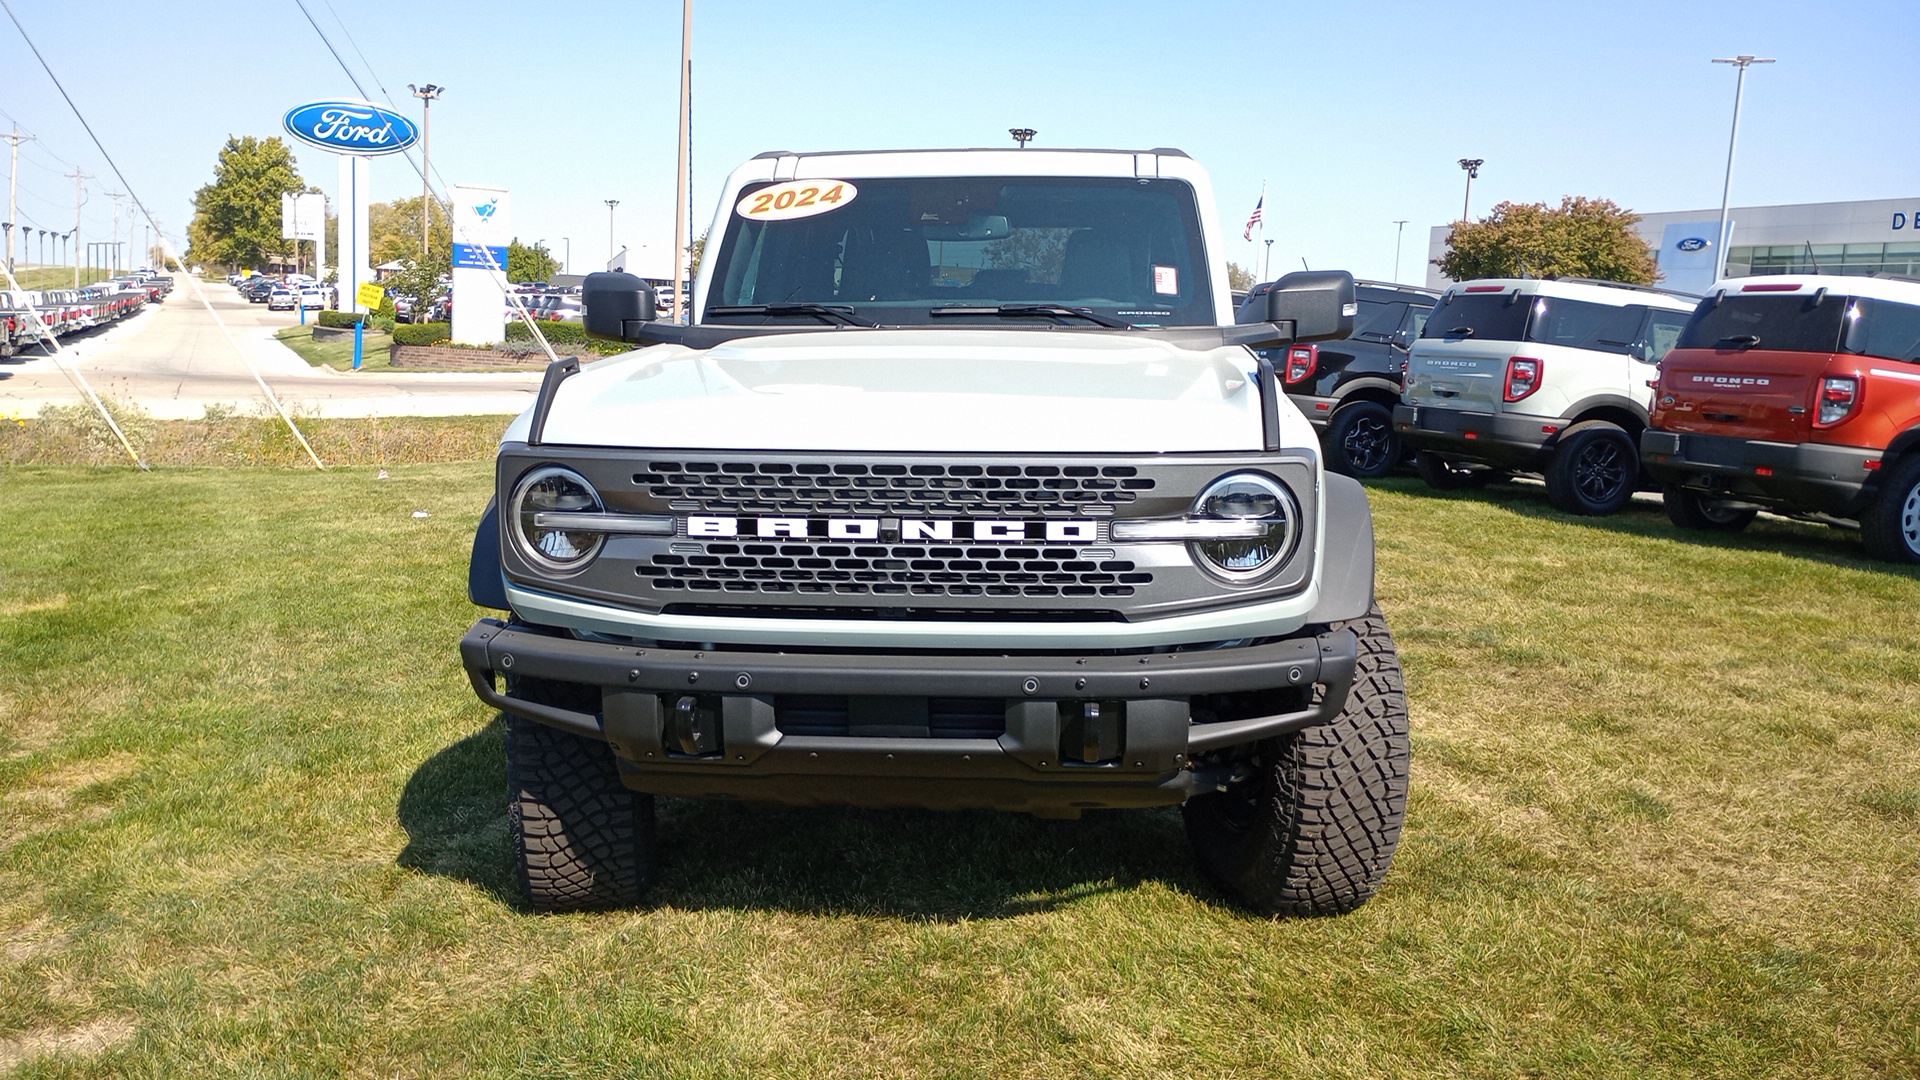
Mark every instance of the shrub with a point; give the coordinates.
(425, 333)
(339, 319)
(572, 335)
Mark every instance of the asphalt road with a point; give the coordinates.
(174, 360)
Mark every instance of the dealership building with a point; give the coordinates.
(1874, 236)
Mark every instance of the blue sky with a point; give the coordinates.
(1354, 113)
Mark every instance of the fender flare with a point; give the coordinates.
(1607, 401)
(1346, 566)
(486, 583)
(1366, 382)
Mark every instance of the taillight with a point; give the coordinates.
(1301, 360)
(1523, 377)
(1838, 397)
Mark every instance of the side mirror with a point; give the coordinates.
(1319, 303)
(609, 302)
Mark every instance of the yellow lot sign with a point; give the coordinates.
(370, 295)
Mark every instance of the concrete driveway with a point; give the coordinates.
(173, 360)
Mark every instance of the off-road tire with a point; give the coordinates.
(581, 840)
(1692, 510)
(1361, 442)
(1890, 527)
(1443, 475)
(1313, 830)
(1595, 468)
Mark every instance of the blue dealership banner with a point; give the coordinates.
(474, 257)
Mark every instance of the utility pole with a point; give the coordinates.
(1472, 165)
(611, 203)
(113, 255)
(1399, 231)
(427, 94)
(1726, 189)
(78, 198)
(13, 186)
(680, 176)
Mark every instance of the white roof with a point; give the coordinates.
(1611, 295)
(1905, 290)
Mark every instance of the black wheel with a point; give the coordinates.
(1443, 475)
(582, 841)
(1891, 526)
(1313, 830)
(1595, 468)
(1692, 510)
(1361, 441)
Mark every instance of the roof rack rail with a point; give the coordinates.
(1395, 285)
(1623, 285)
(1882, 275)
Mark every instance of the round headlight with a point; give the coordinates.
(1247, 497)
(549, 491)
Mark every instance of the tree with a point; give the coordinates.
(236, 219)
(1239, 278)
(420, 279)
(1584, 238)
(393, 231)
(695, 252)
(530, 262)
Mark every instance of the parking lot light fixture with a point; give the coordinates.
(1023, 136)
(1726, 188)
(427, 94)
(611, 203)
(1472, 165)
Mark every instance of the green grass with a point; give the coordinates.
(57, 277)
(338, 353)
(1663, 824)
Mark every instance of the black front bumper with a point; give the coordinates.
(1800, 477)
(714, 723)
(1497, 439)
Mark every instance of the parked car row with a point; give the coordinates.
(1798, 395)
(67, 311)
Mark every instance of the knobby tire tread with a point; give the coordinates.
(582, 841)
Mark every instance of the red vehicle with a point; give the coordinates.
(1799, 395)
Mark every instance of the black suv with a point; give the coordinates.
(1348, 388)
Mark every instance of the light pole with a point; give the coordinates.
(1023, 136)
(1472, 165)
(1268, 268)
(566, 259)
(427, 95)
(611, 203)
(1400, 229)
(1726, 189)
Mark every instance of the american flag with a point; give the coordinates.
(1253, 218)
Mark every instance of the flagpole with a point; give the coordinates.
(1260, 244)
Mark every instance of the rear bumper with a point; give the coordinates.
(1805, 477)
(1318, 410)
(1497, 439)
(722, 724)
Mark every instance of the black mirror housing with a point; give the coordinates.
(1319, 303)
(610, 303)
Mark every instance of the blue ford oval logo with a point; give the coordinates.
(1692, 244)
(351, 127)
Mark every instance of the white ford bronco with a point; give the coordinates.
(960, 489)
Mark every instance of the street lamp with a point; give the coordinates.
(1400, 228)
(566, 259)
(1472, 165)
(611, 203)
(1023, 136)
(1726, 189)
(427, 95)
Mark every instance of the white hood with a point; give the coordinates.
(945, 390)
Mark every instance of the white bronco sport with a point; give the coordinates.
(960, 489)
(1539, 375)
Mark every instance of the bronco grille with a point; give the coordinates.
(910, 570)
(748, 487)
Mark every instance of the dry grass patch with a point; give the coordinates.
(87, 1040)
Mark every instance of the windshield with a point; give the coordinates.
(894, 249)
(1775, 323)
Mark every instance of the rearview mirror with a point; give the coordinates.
(609, 302)
(1319, 304)
(978, 227)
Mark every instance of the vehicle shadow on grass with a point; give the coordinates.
(1645, 516)
(914, 864)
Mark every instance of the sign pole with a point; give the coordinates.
(359, 332)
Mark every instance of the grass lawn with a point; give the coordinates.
(56, 277)
(338, 354)
(1665, 822)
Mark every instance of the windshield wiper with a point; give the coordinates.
(1460, 331)
(1045, 311)
(833, 313)
(1744, 341)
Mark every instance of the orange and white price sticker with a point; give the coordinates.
(795, 199)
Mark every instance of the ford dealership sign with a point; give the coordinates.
(1692, 243)
(351, 127)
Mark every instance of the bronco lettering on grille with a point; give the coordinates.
(1011, 531)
